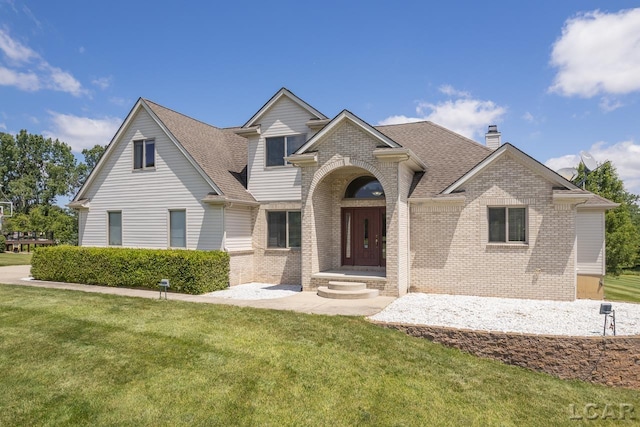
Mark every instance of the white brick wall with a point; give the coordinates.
(450, 253)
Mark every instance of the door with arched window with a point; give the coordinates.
(364, 236)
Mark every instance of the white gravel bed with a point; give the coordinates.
(256, 291)
(576, 318)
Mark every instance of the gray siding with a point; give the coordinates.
(238, 229)
(590, 236)
(145, 197)
(276, 183)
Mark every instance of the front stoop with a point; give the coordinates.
(347, 290)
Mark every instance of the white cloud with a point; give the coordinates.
(598, 53)
(529, 117)
(451, 91)
(466, 116)
(3, 126)
(82, 132)
(47, 76)
(625, 156)
(607, 104)
(15, 50)
(28, 81)
(102, 82)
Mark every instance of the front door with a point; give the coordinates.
(364, 236)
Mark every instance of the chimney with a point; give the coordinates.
(492, 137)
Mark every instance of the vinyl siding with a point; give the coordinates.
(590, 236)
(82, 222)
(238, 229)
(145, 197)
(276, 183)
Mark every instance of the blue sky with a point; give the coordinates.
(557, 77)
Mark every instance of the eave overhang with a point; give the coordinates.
(305, 159)
(82, 204)
(248, 132)
(398, 155)
(216, 199)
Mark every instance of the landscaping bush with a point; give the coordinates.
(191, 272)
(3, 241)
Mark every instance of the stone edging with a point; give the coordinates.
(613, 361)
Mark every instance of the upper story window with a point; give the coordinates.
(282, 146)
(364, 187)
(144, 154)
(507, 225)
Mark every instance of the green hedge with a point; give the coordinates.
(191, 272)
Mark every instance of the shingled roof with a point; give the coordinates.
(219, 152)
(448, 155)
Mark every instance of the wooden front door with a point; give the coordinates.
(364, 236)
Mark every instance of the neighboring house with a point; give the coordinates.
(296, 197)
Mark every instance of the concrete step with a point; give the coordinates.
(325, 292)
(346, 286)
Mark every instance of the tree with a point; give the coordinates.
(622, 234)
(35, 170)
(91, 158)
(44, 219)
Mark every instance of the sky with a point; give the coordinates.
(557, 77)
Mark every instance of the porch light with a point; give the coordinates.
(377, 193)
(609, 317)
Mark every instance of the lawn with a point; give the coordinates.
(625, 287)
(8, 258)
(73, 358)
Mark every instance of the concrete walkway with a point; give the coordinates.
(304, 302)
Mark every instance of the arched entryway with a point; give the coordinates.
(363, 228)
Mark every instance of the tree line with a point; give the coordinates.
(34, 173)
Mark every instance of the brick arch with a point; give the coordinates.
(326, 170)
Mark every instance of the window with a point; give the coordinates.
(284, 229)
(364, 187)
(507, 225)
(115, 228)
(144, 154)
(178, 229)
(282, 146)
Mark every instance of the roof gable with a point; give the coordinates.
(284, 92)
(346, 115)
(218, 155)
(531, 163)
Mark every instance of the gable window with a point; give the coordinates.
(178, 229)
(507, 224)
(144, 154)
(282, 146)
(115, 228)
(284, 229)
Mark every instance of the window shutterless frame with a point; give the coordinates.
(144, 154)
(114, 228)
(284, 229)
(507, 224)
(177, 228)
(278, 147)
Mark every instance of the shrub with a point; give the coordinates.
(3, 241)
(191, 272)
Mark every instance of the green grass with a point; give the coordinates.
(625, 287)
(71, 358)
(8, 258)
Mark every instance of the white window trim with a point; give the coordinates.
(284, 153)
(508, 242)
(144, 154)
(121, 229)
(186, 229)
(286, 227)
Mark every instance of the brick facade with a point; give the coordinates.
(450, 253)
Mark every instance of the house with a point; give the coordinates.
(297, 197)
